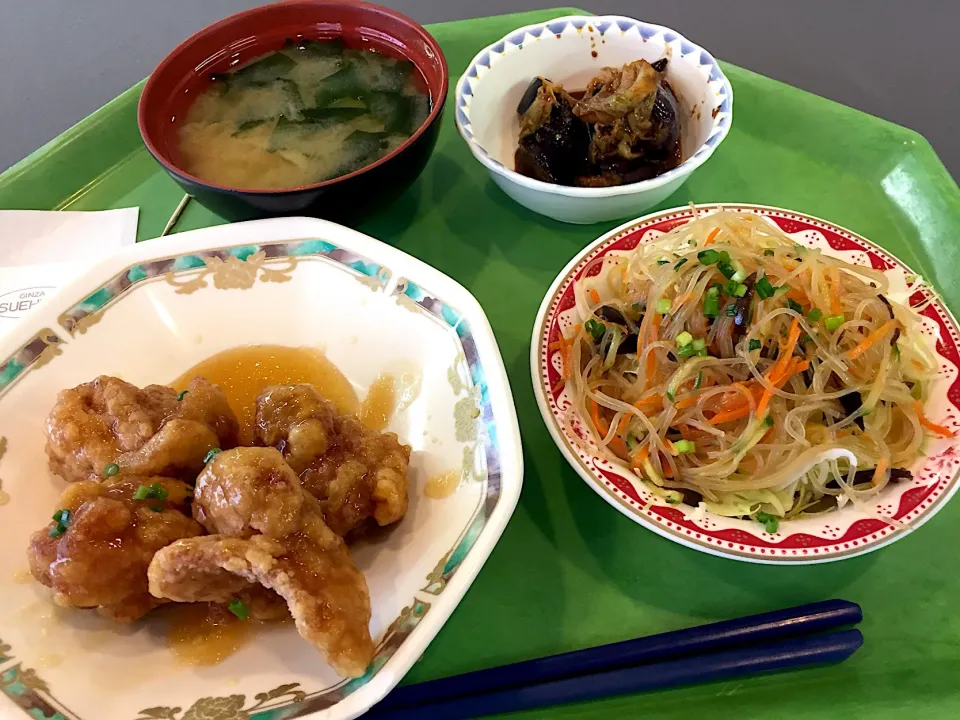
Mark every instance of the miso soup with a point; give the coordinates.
(313, 111)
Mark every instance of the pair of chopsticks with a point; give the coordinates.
(769, 642)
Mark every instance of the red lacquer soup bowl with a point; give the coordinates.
(186, 72)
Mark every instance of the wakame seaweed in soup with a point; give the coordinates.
(312, 111)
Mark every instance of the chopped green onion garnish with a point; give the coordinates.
(764, 288)
(754, 345)
(111, 470)
(632, 442)
(664, 305)
(814, 315)
(685, 351)
(740, 273)
(768, 422)
(62, 520)
(727, 269)
(794, 305)
(181, 394)
(680, 264)
(711, 302)
(699, 381)
(740, 290)
(770, 523)
(702, 352)
(156, 508)
(896, 351)
(673, 500)
(685, 446)
(708, 257)
(805, 339)
(663, 262)
(724, 256)
(239, 608)
(595, 328)
(834, 321)
(151, 492)
(731, 310)
(699, 344)
(769, 253)
(684, 338)
(210, 455)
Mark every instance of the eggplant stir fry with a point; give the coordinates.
(623, 128)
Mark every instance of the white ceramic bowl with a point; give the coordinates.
(153, 311)
(571, 50)
(849, 531)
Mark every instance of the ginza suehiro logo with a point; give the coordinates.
(17, 303)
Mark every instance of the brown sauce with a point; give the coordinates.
(204, 634)
(242, 373)
(379, 404)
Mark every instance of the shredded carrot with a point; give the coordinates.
(798, 295)
(642, 455)
(599, 423)
(654, 401)
(622, 425)
(795, 366)
(667, 472)
(835, 306)
(879, 472)
(619, 448)
(594, 295)
(729, 415)
(786, 352)
(687, 401)
(871, 339)
(929, 425)
(712, 236)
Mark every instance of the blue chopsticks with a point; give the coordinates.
(768, 642)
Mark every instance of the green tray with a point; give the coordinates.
(570, 572)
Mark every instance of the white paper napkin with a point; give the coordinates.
(41, 251)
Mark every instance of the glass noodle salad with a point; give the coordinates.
(723, 362)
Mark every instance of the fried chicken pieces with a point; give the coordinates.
(123, 541)
(269, 532)
(100, 559)
(355, 473)
(153, 431)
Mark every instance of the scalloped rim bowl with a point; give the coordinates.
(571, 50)
(837, 535)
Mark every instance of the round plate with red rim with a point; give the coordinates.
(836, 535)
